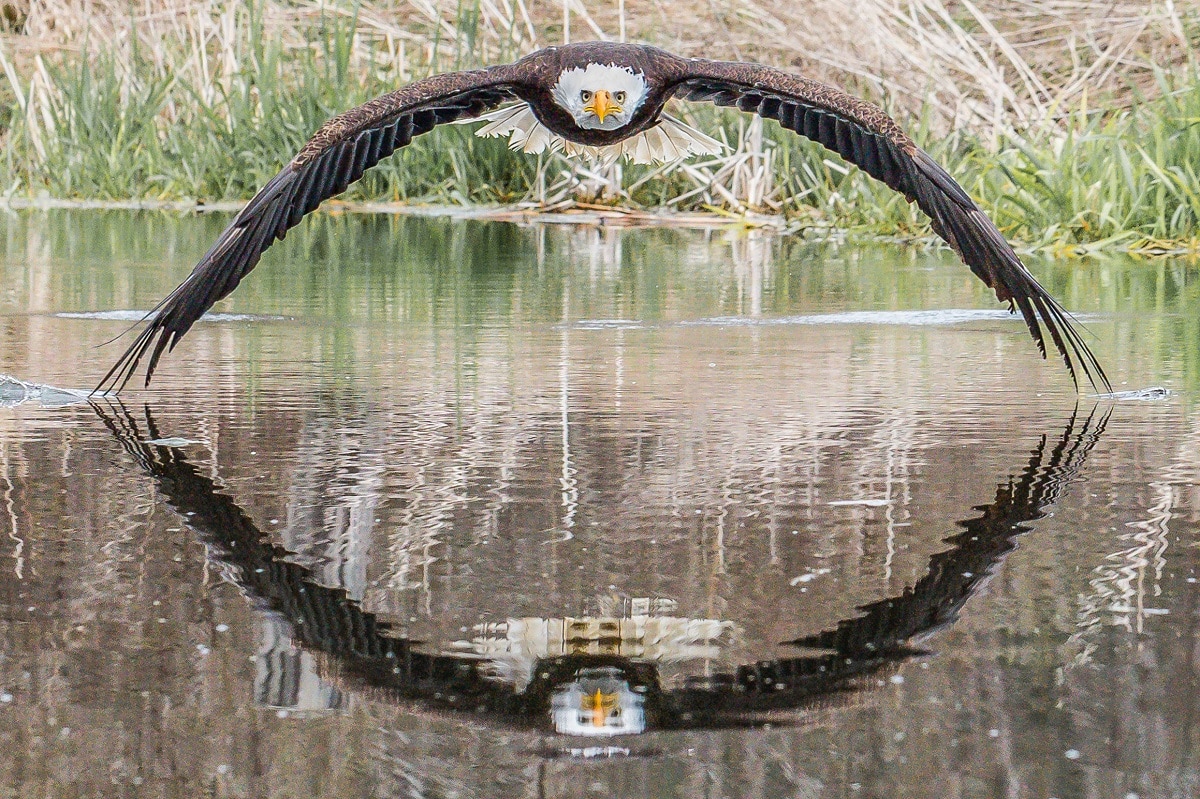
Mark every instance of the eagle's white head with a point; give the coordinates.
(601, 97)
(598, 97)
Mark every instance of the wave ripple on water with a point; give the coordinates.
(138, 316)
(945, 316)
(15, 392)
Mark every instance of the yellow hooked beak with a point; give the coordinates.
(602, 105)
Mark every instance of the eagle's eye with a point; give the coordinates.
(586, 96)
(619, 97)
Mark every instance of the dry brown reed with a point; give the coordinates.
(991, 68)
(987, 65)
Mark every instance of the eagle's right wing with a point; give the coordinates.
(865, 136)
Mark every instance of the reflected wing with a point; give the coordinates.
(324, 619)
(336, 156)
(867, 137)
(957, 574)
(869, 646)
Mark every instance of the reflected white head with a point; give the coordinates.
(601, 97)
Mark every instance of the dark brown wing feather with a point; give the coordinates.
(867, 137)
(336, 156)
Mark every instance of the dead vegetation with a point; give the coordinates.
(988, 65)
(998, 72)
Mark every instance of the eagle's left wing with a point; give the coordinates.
(867, 137)
(336, 156)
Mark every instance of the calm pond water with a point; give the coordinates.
(471, 509)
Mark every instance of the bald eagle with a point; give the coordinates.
(604, 100)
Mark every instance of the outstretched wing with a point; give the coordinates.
(336, 156)
(867, 137)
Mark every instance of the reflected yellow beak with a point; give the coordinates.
(602, 105)
(598, 708)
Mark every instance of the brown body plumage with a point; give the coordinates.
(350, 143)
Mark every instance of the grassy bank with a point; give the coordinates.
(211, 106)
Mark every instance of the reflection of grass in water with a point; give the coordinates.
(357, 277)
(122, 125)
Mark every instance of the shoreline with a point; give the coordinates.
(589, 214)
(559, 213)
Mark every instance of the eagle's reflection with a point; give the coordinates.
(598, 701)
(598, 678)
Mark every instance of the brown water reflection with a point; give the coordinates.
(629, 452)
(598, 676)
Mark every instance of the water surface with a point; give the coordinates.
(436, 508)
